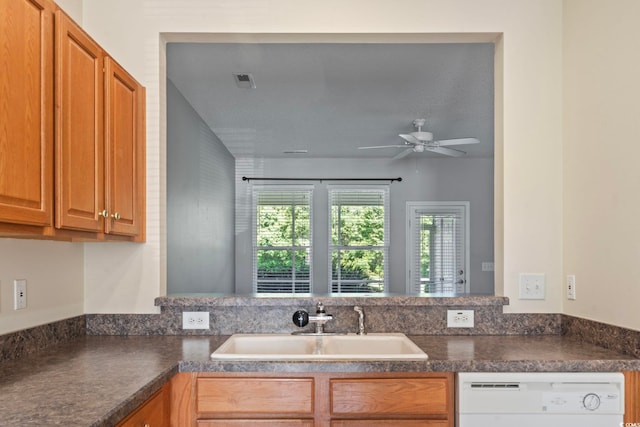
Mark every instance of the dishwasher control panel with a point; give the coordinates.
(583, 401)
(541, 392)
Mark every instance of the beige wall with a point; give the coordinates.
(54, 271)
(530, 196)
(601, 150)
(73, 8)
(54, 275)
(548, 227)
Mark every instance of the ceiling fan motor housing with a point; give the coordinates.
(423, 136)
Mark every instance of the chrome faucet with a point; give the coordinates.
(301, 318)
(360, 312)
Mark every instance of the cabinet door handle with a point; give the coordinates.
(104, 213)
(116, 216)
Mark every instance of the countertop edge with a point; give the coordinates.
(132, 402)
(208, 300)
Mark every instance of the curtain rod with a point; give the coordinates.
(246, 178)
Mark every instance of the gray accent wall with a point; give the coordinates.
(423, 179)
(200, 203)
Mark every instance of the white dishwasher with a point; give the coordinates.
(535, 399)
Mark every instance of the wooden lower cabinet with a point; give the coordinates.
(632, 397)
(390, 423)
(253, 422)
(314, 399)
(328, 399)
(154, 412)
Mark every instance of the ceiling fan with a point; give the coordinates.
(419, 141)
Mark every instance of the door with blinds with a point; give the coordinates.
(437, 248)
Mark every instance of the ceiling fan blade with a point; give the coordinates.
(382, 146)
(447, 151)
(410, 138)
(402, 154)
(458, 141)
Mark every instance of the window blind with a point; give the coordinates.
(358, 235)
(282, 240)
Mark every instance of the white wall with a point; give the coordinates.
(602, 147)
(531, 193)
(423, 179)
(53, 271)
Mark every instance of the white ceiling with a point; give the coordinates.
(330, 98)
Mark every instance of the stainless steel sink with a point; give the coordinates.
(331, 347)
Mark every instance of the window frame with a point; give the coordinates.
(412, 233)
(387, 227)
(255, 190)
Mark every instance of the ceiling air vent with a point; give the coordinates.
(244, 80)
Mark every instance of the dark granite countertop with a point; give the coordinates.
(97, 380)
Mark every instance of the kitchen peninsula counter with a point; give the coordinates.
(98, 380)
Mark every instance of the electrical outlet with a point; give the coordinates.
(19, 294)
(459, 318)
(195, 320)
(571, 286)
(531, 286)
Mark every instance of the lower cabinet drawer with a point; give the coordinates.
(239, 396)
(390, 396)
(253, 423)
(389, 423)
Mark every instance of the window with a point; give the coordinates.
(282, 240)
(437, 247)
(358, 232)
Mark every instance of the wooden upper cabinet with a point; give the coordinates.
(99, 138)
(79, 128)
(26, 113)
(96, 188)
(124, 143)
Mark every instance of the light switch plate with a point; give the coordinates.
(571, 287)
(532, 286)
(19, 294)
(487, 266)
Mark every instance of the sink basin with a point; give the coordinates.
(326, 347)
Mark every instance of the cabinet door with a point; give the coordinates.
(79, 128)
(124, 143)
(153, 413)
(26, 114)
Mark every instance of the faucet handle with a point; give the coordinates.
(301, 318)
(320, 308)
